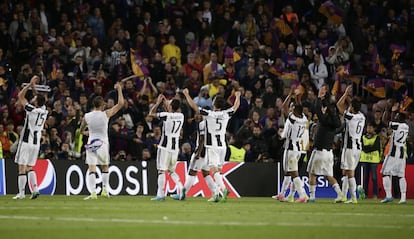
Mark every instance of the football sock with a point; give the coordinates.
(92, 181)
(177, 181)
(345, 184)
(403, 189)
(31, 175)
(297, 184)
(189, 182)
(219, 181)
(352, 187)
(312, 190)
(161, 184)
(337, 189)
(285, 184)
(22, 180)
(105, 180)
(210, 183)
(386, 181)
(292, 190)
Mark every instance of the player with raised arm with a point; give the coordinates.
(168, 148)
(30, 137)
(97, 148)
(198, 161)
(322, 159)
(294, 131)
(395, 159)
(352, 146)
(215, 138)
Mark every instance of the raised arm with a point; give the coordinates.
(190, 101)
(237, 101)
(154, 89)
(110, 112)
(341, 102)
(154, 108)
(285, 105)
(22, 94)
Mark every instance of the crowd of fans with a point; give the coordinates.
(266, 49)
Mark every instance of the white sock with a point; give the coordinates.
(292, 190)
(219, 182)
(297, 184)
(285, 184)
(92, 182)
(177, 181)
(31, 175)
(403, 189)
(386, 181)
(105, 180)
(312, 191)
(161, 184)
(210, 183)
(345, 185)
(352, 187)
(22, 180)
(337, 189)
(190, 181)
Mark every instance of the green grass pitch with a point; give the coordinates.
(249, 217)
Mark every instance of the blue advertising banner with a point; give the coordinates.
(2, 178)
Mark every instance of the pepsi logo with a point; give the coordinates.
(46, 177)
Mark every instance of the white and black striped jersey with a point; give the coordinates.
(201, 130)
(294, 131)
(98, 125)
(354, 128)
(33, 125)
(216, 126)
(172, 125)
(398, 139)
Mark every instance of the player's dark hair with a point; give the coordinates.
(98, 101)
(400, 117)
(356, 104)
(298, 110)
(40, 100)
(175, 104)
(219, 102)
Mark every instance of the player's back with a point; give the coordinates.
(216, 126)
(399, 133)
(34, 122)
(296, 129)
(172, 125)
(98, 125)
(354, 129)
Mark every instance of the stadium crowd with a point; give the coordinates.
(266, 49)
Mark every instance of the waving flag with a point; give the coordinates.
(396, 51)
(136, 64)
(283, 27)
(332, 12)
(393, 83)
(376, 87)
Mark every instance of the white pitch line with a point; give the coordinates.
(204, 223)
(26, 208)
